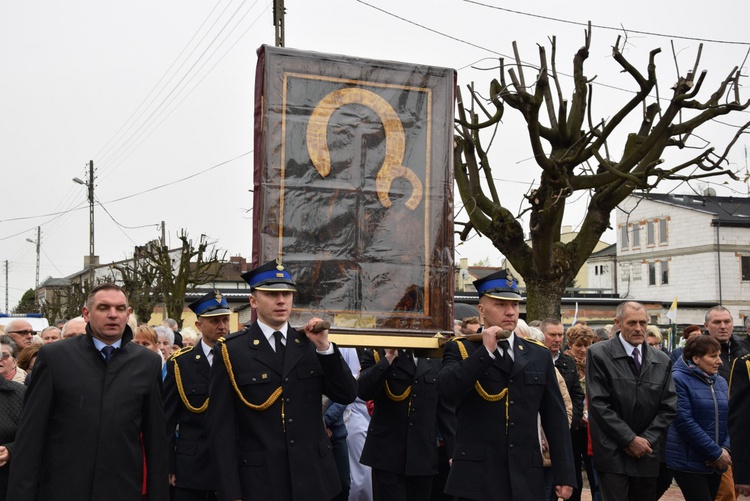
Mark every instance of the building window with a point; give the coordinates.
(745, 268)
(636, 238)
(624, 237)
(651, 273)
(664, 272)
(663, 231)
(650, 233)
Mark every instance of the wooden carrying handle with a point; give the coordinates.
(499, 335)
(321, 326)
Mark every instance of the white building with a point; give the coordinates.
(694, 248)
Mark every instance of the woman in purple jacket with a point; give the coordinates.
(697, 440)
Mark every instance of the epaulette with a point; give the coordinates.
(534, 341)
(229, 337)
(179, 352)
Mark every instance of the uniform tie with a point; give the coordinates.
(278, 336)
(507, 362)
(637, 360)
(410, 357)
(107, 351)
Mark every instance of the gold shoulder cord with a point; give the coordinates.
(265, 405)
(482, 392)
(181, 389)
(391, 395)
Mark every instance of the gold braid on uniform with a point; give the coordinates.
(391, 395)
(265, 405)
(180, 387)
(482, 392)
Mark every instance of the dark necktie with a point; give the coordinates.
(107, 351)
(507, 362)
(278, 336)
(637, 360)
(409, 354)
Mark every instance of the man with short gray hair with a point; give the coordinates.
(21, 332)
(74, 327)
(632, 402)
(719, 325)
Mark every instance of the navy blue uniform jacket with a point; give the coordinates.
(277, 449)
(497, 458)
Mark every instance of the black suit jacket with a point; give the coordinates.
(402, 436)
(278, 448)
(497, 458)
(188, 449)
(86, 425)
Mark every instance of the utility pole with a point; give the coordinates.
(92, 257)
(38, 243)
(278, 21)
(6, 286)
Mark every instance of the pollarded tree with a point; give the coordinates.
(574, 155)
(158, 274)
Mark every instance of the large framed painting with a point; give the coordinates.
(353, 188)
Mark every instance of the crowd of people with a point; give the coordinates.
(103, 408)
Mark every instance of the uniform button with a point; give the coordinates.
(288, 400)
(510, 446)
(290, 420)
(512, 423)
(291, 442)
(286, 379)
(312, 372)
(510, 380)
(510, 403)
(415, 382)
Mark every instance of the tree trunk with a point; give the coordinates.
(543, 298)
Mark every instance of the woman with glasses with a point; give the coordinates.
(9, 368)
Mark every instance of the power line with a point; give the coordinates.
(612, 28)
(165, 185)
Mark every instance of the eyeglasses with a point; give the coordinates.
(6, 356)
(23, 333)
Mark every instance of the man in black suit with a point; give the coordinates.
(186, 401)
(401, 444)
(499, 388)
(265, 415)
(93, 412)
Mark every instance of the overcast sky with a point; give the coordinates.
(160, 96)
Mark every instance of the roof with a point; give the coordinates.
(610, 250)
(728, 211)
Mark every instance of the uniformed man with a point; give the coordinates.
(186, 401)
(402, 443)
(266, 428)
(499, 387)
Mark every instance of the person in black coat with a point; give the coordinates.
(739, 417)
(267, 436)
(93, 411)
(402, 445)
(11, 403)
(186, 401)
(500, 388)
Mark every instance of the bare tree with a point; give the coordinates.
(161, 275)
(572, 151)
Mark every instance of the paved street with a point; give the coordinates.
(673, 494)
